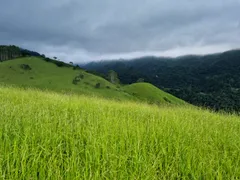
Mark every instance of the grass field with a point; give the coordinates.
(45, 75)
(54, 136)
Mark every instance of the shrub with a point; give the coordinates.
(97, 85)
(140, 80)
(76, 67)
(25, 67)
(81, 76)
(167, 100)
(76, 80)
(47, 59)
(59, 63)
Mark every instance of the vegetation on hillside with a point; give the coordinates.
(71, 131)
(55, 136)
(12, 52)
(9, 52)
(148, 92)
(45, 73)
(211, 81)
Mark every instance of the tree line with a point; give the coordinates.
(211, 81)
(9, 52)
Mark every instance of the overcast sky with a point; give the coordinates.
(84, 30)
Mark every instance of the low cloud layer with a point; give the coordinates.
(80, 31)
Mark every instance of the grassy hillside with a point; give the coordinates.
(35, 72)
(150, 93)
(55, 136)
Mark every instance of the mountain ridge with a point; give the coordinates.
(157, 57)
(211, 80)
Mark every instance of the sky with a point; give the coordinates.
(86, 30)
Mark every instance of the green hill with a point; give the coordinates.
(37, 73)
(150, 93)
(46, 135)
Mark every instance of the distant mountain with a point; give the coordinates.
(210, 80)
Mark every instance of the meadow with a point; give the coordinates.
(46, 135)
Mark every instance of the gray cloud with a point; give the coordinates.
(79, 30)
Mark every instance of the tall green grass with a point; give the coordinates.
(53, 136)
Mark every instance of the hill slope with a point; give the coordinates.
(211, 80)
(56, 136)
(150, 93)
(35, 72)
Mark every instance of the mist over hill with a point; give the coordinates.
(210, 80)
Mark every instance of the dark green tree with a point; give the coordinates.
(113, 77)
